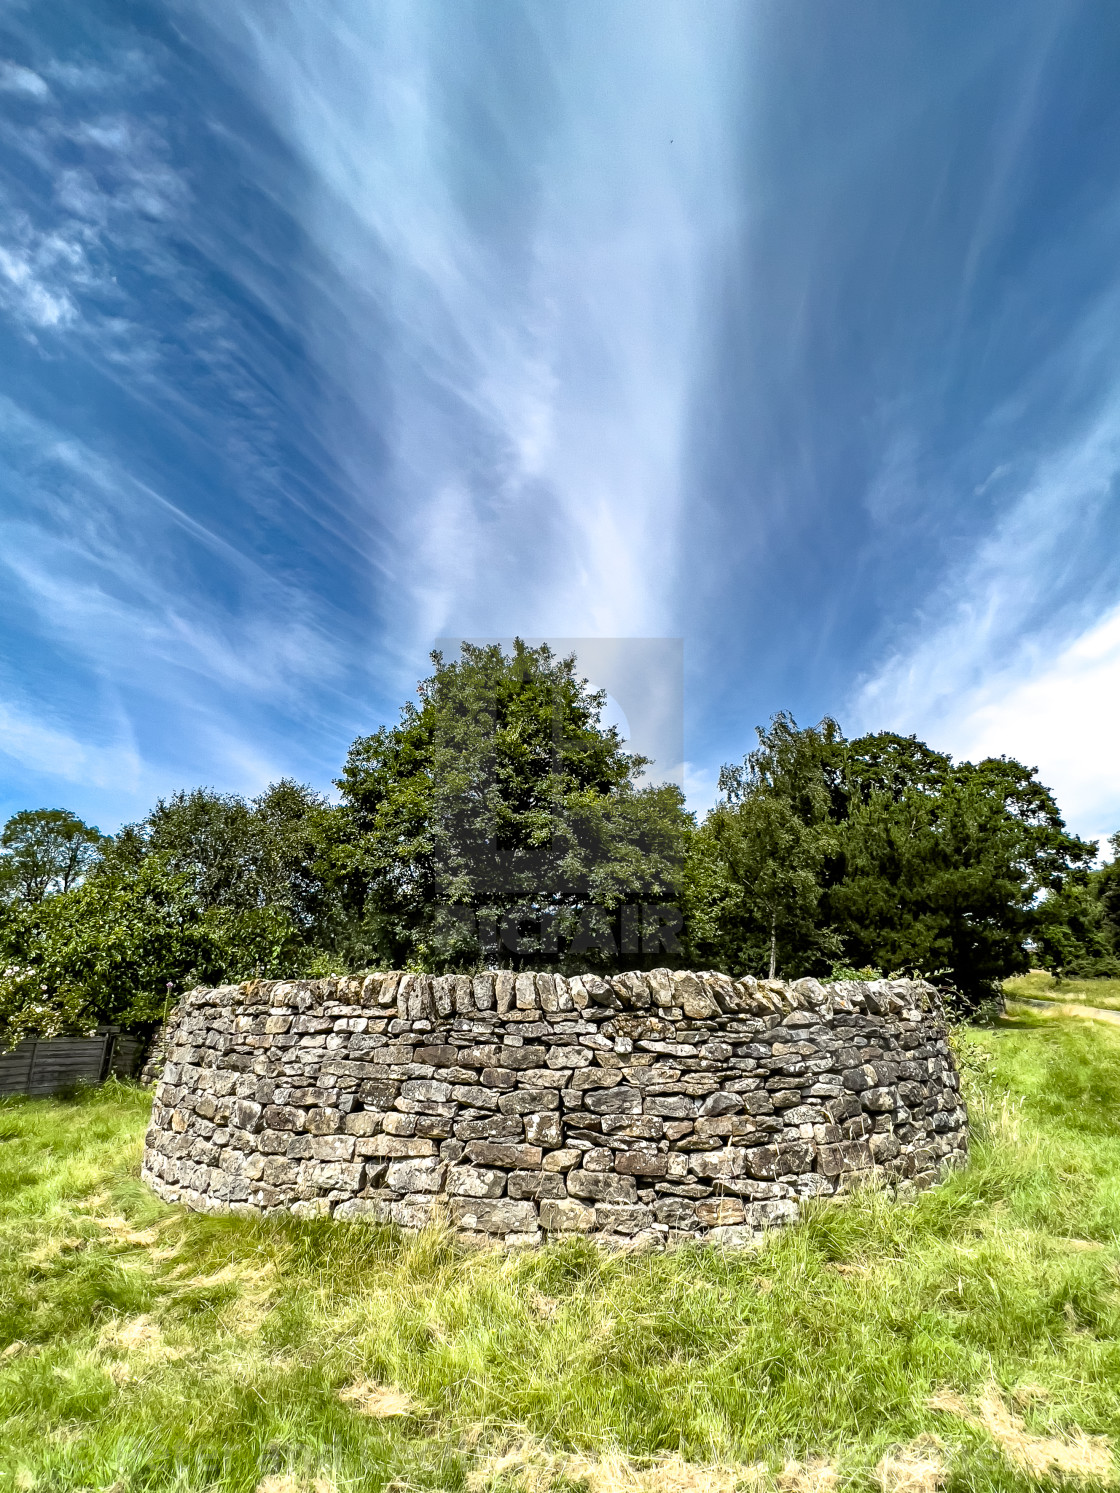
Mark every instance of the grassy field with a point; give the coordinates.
(968, 1339)
(1040, 986)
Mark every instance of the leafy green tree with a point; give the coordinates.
(945, 867)
(500, 809)
(107, 950)
(1071, 936)
(44, 852)
(239, 854)
(757, 865)
(1105, 888)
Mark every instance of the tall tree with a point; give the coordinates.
(757, 866)
(239, 853)
(501, 809)
(943, 866)
(44, 852)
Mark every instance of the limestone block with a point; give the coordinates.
(476, 1182)
(536, 1185)
(641, 1161)
(333, 1147)
(522, 1057)
(526, 992)
(415, 1211)
(543, 1130)
(528, 1101)
(493, 1127)
(503, 1153)
(393, 1145)
(623, 1218)
(565, 1216)
(562, 1160)
(424, 1174)
(614, 1101)
(880, 1100)
(601, 1187)
(716, 1212)
(246, 1115)
(500, 1216)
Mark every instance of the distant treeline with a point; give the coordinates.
(500, 824)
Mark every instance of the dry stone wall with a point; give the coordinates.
(648, 1107)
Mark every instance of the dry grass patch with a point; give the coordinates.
(532, 1468)
(915, 1468)
(816, 1476)
(136, 1343)
(287, 1482)
(1075, 1455)
(381, 1401)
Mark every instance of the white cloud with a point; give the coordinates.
(540, 401)
(1009, 656)
(1065, 718)
(48, 750)
(16, 79)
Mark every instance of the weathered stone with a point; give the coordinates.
(565, 1216)
(622, 1218)
(602, 1187)
(502, 1153)
(642, 1161)
(543, 1130)
(425, 1174)
(617, 1101)
(393, 1145)
(528, 1101)
(476, 1182)
(246, 1115)
(707, 1104)
(501, 1216)
(536, 1184)
(426, 1089)
(561, 1161)
(322, 1121)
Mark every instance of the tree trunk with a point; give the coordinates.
(773, 946)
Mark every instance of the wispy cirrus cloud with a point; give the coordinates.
(539, 342)
(1017, 651)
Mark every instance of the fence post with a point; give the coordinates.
(107, 1053)
(31, 1065)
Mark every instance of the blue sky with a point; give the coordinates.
(330, 328)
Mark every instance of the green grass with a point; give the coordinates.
(828, 1342)
(1040, 986)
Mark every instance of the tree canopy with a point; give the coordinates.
(500, 809)
(881, 852)
(44, 851)
(499, 822)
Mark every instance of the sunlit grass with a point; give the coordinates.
(171, 1352)
(1039, 985)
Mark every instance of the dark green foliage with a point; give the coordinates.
(1072, 936)
(946, 871)
(757, 865)
(107, 951)
(1104, 886)
(44, 851)
(235, 853)
(884, 852)
(501, 791)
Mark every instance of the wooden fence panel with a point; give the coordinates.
(39, 1066)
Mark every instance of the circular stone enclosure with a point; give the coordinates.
(644, 1108)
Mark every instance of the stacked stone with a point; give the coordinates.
(648, 1107)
